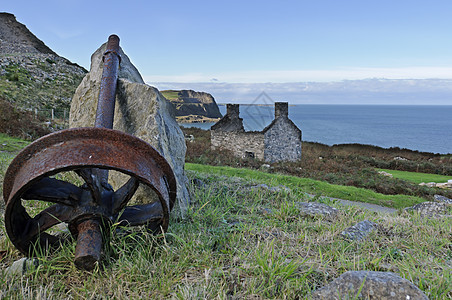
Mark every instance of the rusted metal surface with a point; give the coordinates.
(94, 205)
(107, 94)
(87, 252)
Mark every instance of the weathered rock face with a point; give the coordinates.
(16, 38)
(359, 231)
(318, 210)
(372, 285)
(32, 76)
(141, 111)
(430, 209)
(191, 103)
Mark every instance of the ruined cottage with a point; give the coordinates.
(279, 141)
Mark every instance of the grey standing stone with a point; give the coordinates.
(141, 111)
(359, 231)
(314, 209)
(369, 285)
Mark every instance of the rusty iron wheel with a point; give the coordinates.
(86, 151)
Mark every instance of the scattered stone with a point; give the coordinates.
(314, 209)
(385, 174)
(369, 285)
(21, 266)
(430, 209)
(359, 231)
(198, 183)
(442, 199)
(265, 167)
(444, 185)
(400, 158)
(428, 184)
(140, 111)
(266, 211)
(274, 189)
(261, 186)
(441, 185)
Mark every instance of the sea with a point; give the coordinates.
(419, 127)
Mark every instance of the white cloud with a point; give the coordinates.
(368, 91)
(308, 75)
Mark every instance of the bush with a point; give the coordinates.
(21, 124)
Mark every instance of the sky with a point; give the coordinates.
(253, 41)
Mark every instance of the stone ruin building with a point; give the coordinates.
(279, 141)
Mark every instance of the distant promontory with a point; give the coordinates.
(193, 107)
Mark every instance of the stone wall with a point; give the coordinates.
(279, 141)
(282, 141)
(242, 144)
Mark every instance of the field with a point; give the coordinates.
(240, 241)
(418, 177)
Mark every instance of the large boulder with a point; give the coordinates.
(141, 111)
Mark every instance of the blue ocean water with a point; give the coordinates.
(423, 128)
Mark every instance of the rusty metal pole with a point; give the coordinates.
(107, 94)
(89, 239)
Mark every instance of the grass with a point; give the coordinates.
(11, 145)
(307, 185)
(417, 177)
(170, 95)
(241, 243)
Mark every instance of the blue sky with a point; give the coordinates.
(253, 41)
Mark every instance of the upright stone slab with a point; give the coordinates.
(141, 111)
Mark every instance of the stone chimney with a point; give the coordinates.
(281, 109)
(232, 110)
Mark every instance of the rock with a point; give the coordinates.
(442, 199)
(198, 183)
(373, 285)
(430, 209)
(16, 38)
(189, 104)
(265, 167)
(385, 174)
(444, 185)
(400, 158)
(140, 111)
(428, 184)
(21, 266)
(359, 231)
(274, 189)
(314, 209)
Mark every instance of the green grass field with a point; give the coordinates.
(313, 186)
(417, 177)
(239, 242)
(170, 94)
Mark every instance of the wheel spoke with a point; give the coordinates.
(93, 183)
(54, 190)
(47, 218)
(141, 214)
(123, 195)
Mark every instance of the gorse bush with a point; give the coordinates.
(18, 123)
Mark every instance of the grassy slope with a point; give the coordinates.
(417, 177)
(242, 243)
(313, 186)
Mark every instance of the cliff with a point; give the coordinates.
(191, 106)
(31, 74)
